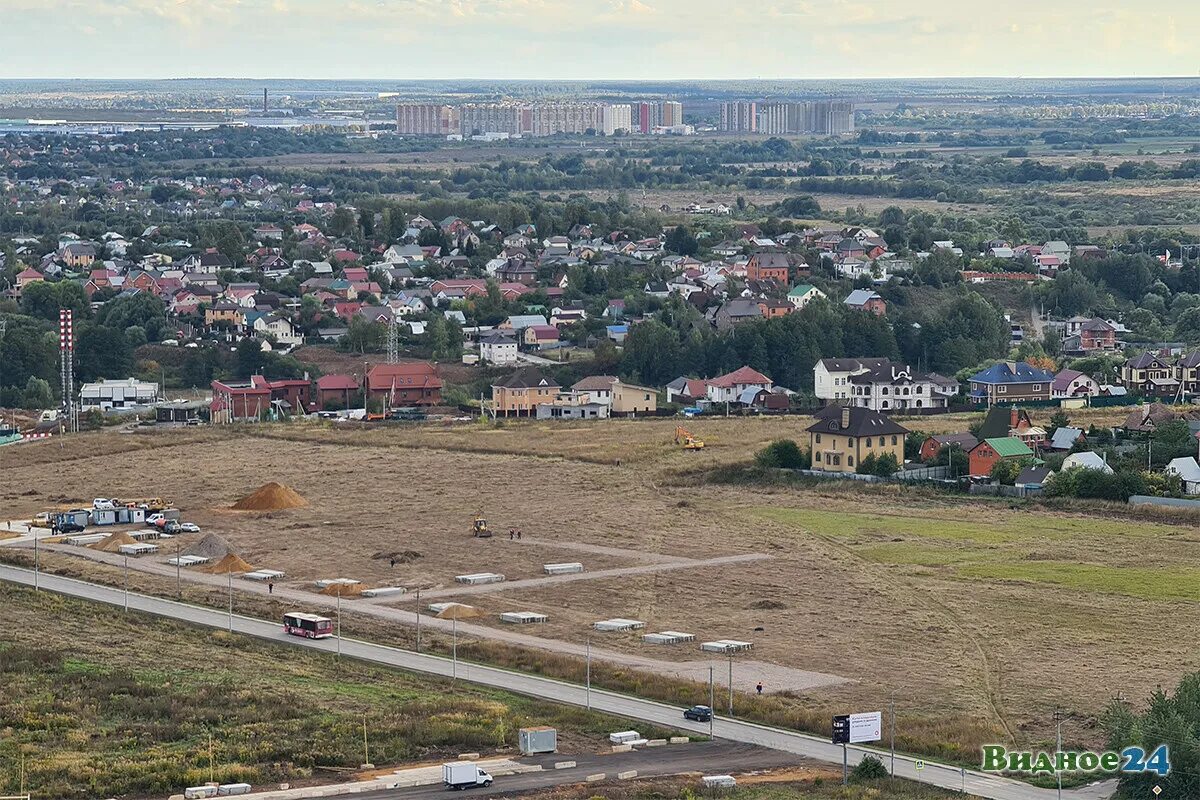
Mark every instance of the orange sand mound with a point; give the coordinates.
(271, 497)
(230, 563)
(345, 589)
(113, 543)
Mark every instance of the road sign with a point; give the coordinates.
(841, 729)
(866, 727)
(919, 765)
(1157, 790)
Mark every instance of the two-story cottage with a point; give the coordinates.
(866, 300)
(415, 383)
(1150, 375)
(1073, 383)
(498, 348)
(803, 294)
(843, 436)
(728, 388)
(831, 376)
(522, 392)
(1011, 382)
(889, 387)
(1187, 372)
(766, 266)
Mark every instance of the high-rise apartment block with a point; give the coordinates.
(822, 117)
(536, 119)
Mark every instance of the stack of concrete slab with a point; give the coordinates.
(618, 624)
(187, 561)
(477, 578)
(565, 568)
(725, 646)
(85, 539)
(522, 617)
(384, 591)
(264, 575)
(139, 549)
(146, 534)
(668, 637)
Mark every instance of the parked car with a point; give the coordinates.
(68, 527)
(698, 713)
(189, 527)
(103, 503)
(154, 519)
(172, 527)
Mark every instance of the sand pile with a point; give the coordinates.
(212, 547)
(113, 543)
(271, 497)
(232, 562)
(345, 589)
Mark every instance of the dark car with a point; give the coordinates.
(68, 527)
(698, 713)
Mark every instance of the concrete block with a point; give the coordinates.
(564, 765)
(656, 742)
(624, 776)
(679, 740)
(594, 778)
(283, 787)
(175, 797)
(468, 756)
(622, 748)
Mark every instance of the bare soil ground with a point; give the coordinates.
(988, 611)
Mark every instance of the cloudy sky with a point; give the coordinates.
(582, 39)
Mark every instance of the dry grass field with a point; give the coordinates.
(985, 613)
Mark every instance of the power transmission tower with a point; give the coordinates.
(66, 350)
(393, 340)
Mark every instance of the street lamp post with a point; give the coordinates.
(126, 583)
(418, 620)
(712, 712)
(36, 565)
(229, 576)
(588, 683)
(1058, 718)
(731, 683)
(178, 578)
(454, 649)
(339, 622)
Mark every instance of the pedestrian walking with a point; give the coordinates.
(518, 533)
(512, 534)
(270, 587)
(392, 561)
(759, 687)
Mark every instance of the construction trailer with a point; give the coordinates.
(542, 739)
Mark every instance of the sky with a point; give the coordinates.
(597, 39)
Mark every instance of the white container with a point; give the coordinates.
(624, 737)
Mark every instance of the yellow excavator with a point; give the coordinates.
(479, 528)
(685, 439)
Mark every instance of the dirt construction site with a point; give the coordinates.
(977, 611)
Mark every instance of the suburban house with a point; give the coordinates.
(1150, 376)
(1073, 383)
(890, 387)
(736, 311)
(540, 337)
(1188, 471)
(1011, 382)
(934, 444)
(1002, 421)
(234, 401)
(866, 300)
(415, 383)
(1187, 372)
(768, 266)
(1096, 334)
(572, 405)
(497, 347)
(1065, 438)
(336, 391)
(1087, 460)
(843, 436)
(1147, 418)
(728, 387)
(631, 399)
(803, 294)
(1033, 478)
(106, 395)
(686, 390)
(522, 392)
(831, 376)
(985, 455)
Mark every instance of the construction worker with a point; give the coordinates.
(759, 687)
(393, 562)
(270, 587)
(518, 533)
(512, 534)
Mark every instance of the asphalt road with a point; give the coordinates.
(948, 777)
(709, 758)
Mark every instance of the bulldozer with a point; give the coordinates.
(685, 439)
(479, 528)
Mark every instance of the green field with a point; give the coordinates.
(101, 704)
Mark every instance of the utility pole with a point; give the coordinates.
(731, 683)
(893, 710)
(339, 621)
(178, 578)
(229, 576)
(1058, 718)
(454, 651)
(36, 565)
(711, 711)
(418, 620)
(366, 752)
(126, 583)
(212, 769)
(588, 683)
